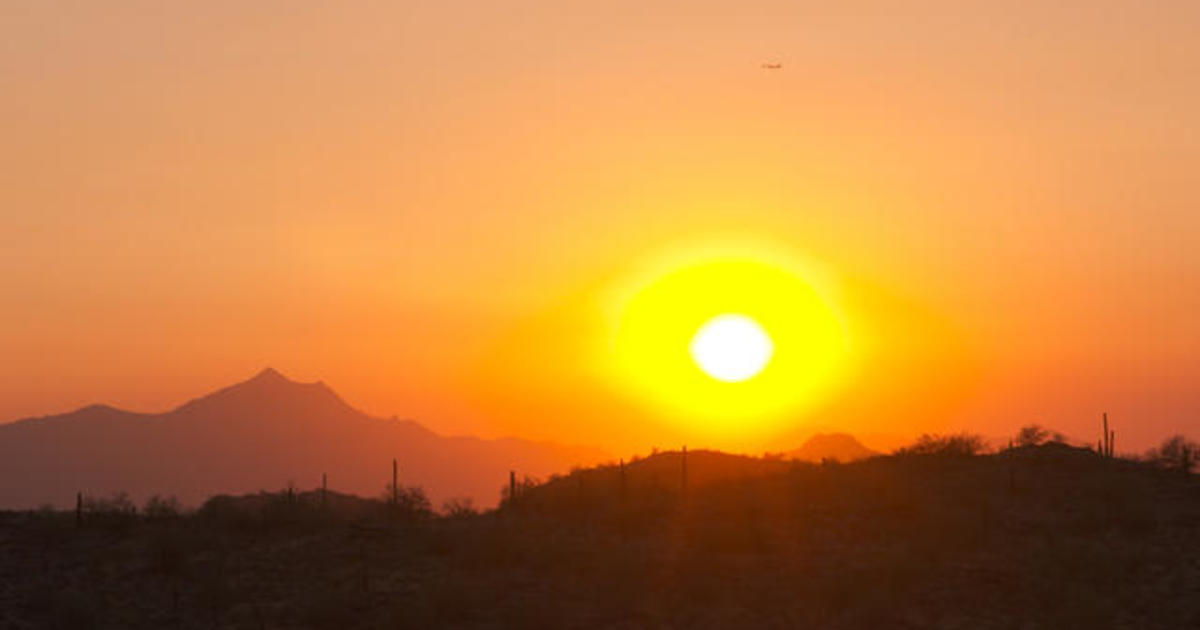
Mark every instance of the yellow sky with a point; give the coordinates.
(423, 204)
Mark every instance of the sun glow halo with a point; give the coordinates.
(730, 343)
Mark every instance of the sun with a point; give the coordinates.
(731, 348)
(729, 342)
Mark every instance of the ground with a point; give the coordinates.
(1046, 537)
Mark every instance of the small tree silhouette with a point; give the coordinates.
(159, 507)
(961, 444)
(459, 507)
(1032, 435)
(1175, 453)
(408, 502)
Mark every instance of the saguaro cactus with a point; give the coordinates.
(324, 487)
(395, 483)
(624, 484)
(1107, 450)
(683, 477)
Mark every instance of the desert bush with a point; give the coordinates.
(223, 509)
(168, 553)
(1175, 453)
(409, 502)
(459, 507)
(55, 607)
(524, 485)
(213, 591)
(960, 444)
(1032, 435)
(116, 505)
(158, 507)
(115, 512)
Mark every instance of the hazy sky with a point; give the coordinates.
(422, 203)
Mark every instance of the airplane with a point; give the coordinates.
(772, 66)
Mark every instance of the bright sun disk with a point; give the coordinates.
(731, 348)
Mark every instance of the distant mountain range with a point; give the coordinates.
(259, 434)
(841, 447)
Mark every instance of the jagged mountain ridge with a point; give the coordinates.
(261, 433)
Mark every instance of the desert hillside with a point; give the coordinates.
(1036, 537)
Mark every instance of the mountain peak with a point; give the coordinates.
(270, 374)
(836, 446)
(270, 394)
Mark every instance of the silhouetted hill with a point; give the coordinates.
(664, 472)
(1043, 536)
(258, 434)
(841, 447)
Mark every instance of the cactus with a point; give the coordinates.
(1107, 445)
(1106, 452)
(324, 486)
(624, 484)
(683, 480)
(79, 509)
(395, 483)
(512, 486)
(1108, 436)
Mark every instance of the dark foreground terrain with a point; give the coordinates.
(1039, 537)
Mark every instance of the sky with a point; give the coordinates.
(437, 208)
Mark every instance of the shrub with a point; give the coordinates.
(115, 512)
(409, 502)
(168, 554)
(961, 444)
(1175, 453)
(116, 505)
(459, 507)
(1032, 435)
(523, 486)
(158, 507)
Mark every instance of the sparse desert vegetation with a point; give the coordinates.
(1043, 535)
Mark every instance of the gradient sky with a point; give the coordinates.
(424, 203)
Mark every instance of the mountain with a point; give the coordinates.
(259, 434)
(834, 446)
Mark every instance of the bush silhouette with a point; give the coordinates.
(459, 507)
(959, 444)
(159, 507)
(1032, 435)
(408, 503)
(1175, 453)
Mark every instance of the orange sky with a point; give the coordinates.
(423, 204)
